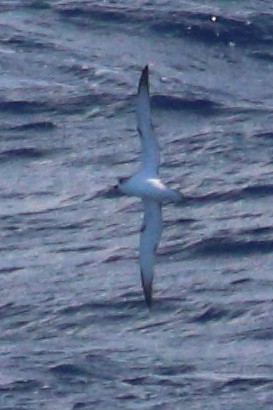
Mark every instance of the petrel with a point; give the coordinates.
(146, 184)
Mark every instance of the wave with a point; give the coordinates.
(202, 105)
(216, 312)
(206, 26)
(25, 385)
(23, 153)
(35, 125)
(96, 12)
(23, 106)
(219, 245)
(246, 382)
(247, 192)
(209, 28)
(64, 104)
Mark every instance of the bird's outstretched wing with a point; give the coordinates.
(149, 239)
(150, 158)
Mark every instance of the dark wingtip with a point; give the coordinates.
(145, 71)
(144, 78)
(148, 292)
(148, 299)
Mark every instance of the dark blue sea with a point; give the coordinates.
(74, 329)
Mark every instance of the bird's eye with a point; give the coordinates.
(122, 180)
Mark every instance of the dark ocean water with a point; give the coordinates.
(74, 330)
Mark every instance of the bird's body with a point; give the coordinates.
(150, 188)
(147, 185)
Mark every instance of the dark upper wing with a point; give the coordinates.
(150, 158)
(149, 239)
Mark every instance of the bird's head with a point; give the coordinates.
(121, 182)
(117, 190)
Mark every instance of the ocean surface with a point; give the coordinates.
(74, 329)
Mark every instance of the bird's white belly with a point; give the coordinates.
(151, 188)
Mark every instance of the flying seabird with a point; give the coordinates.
(146, 184)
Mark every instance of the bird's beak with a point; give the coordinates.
(113, 192)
